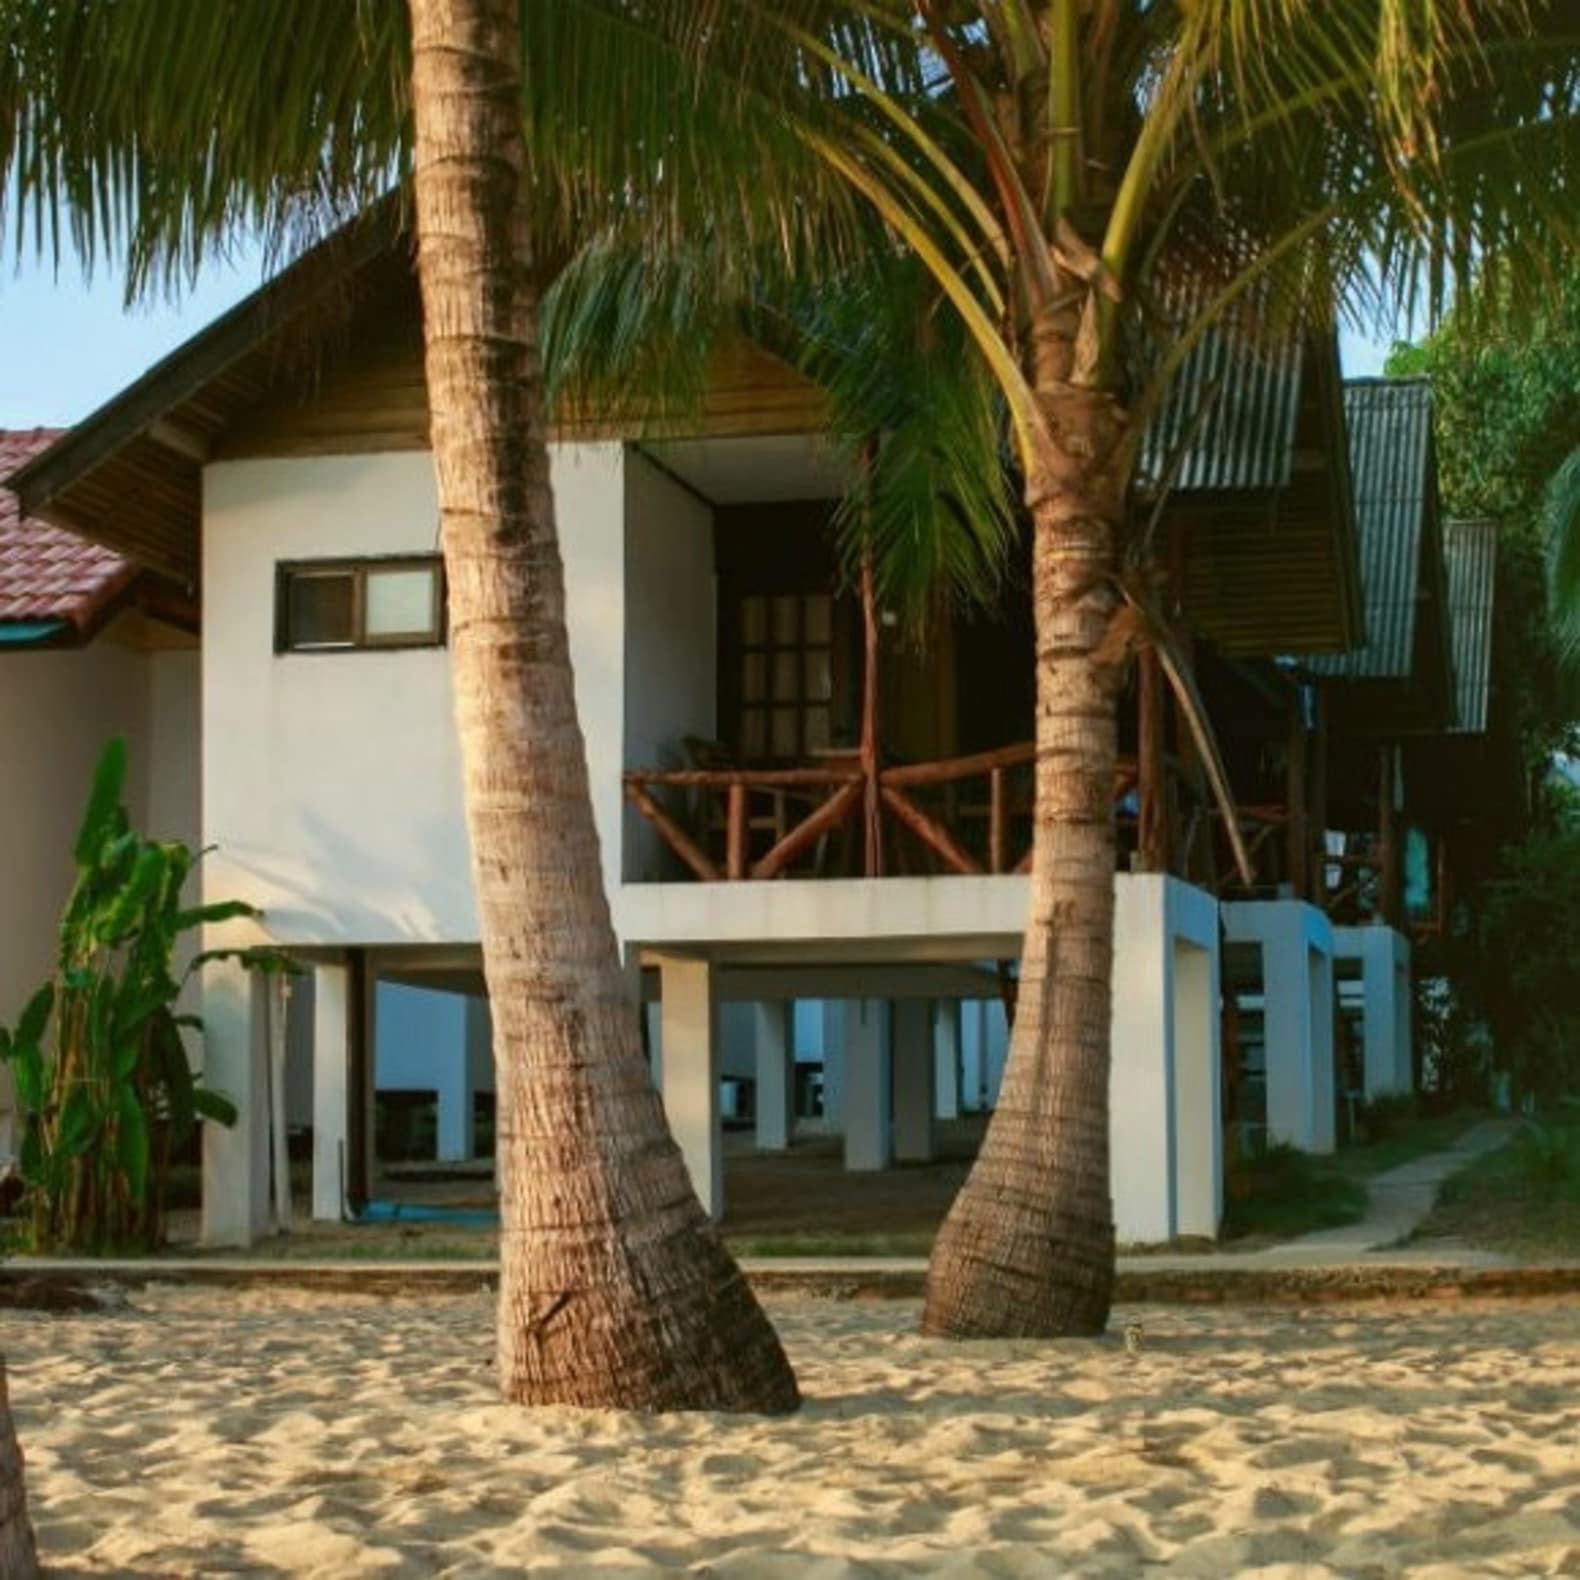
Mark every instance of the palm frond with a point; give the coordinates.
(1563, 539)
(909, 392)
(150, 134)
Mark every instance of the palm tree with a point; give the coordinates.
(1076, 169)
(17, 1558)
(158, 132)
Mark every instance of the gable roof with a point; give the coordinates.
(1261, 432)
(1230, 415)
(54, 585)
(1395, 492)
(1470, 553)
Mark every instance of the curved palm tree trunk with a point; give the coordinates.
(615, 1290)
(1027, 1249)
(18, 1561)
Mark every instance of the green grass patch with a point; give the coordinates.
(1394, 1136)
(1523, 1199)
(1284, 1192)
(913, 1243)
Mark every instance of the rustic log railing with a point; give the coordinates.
(970, 838)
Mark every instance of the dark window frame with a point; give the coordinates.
(359, 567)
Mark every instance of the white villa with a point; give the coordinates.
(274, 470)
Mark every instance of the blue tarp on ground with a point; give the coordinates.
(27, 633)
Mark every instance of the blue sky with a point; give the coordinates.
(69, 345)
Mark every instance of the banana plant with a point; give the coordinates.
(105, 1092)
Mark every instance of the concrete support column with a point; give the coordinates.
(1297, 991)
(235, 1062)
(458, 1130)
(973, 1056)
(689, 1012)
(946, 1058)
(911, 1060)
(775, 1075)
(1386, 1007)
(1165, 1119)
(834, 1034)
(868, 1082)
(331, 1088)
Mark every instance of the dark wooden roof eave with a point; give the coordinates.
(50, 486)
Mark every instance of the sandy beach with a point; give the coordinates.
(205, 1432)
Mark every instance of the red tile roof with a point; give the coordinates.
(45, 572)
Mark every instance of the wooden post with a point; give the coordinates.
(1151, 764)
(736, 832)
(1298, 829)
(871, 824)
(998, 817)
(361, 991)
(1387, 838)
(1317, 798)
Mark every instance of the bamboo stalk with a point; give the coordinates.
(672, 833)
(829, 816)
(872, 828)
(998, 816)
(735, 835)
(752, 778)
(943, 770)
(932, 834)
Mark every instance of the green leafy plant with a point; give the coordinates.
(105, 1091)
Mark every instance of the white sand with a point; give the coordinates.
(209, 1432)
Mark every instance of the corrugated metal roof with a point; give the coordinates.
(1390, 434)
(1470, 558)
(1228, 421)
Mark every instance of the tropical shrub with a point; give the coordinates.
(105, 1092)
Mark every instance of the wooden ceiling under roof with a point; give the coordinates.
(328, 360)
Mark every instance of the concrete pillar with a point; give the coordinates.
(1386, 1006)
(973, 1056)
(235, 1063)
(1198, 1088)
(331, 1088)
(689, 1013)
(995, 1048)
(1165, 1119)
(868, 1094)
(834, 1034)
(1296, 940)
(459, 1140)
(775, 1076)
(911, 1059)
(946, 1058)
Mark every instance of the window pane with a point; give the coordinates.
(819, 617)
(817, 729)
(787, 677)
(754, 621)
(754, 677)
(787, 737)
(754, 733)
(400, 603)
(819, 676)
(787, 621)
(321, 609)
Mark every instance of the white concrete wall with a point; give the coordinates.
(58, 711)
(671, 645)
(331, 781)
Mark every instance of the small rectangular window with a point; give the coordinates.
(340, 605)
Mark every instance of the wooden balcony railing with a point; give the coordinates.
(968, 815)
